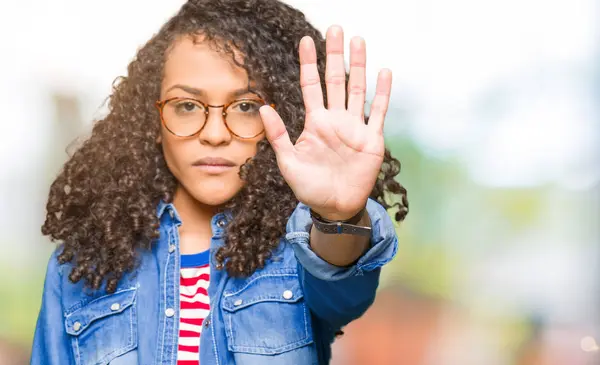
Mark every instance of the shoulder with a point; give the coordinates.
(74, 296)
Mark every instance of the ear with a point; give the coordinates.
(159, 138)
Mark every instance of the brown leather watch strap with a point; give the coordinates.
(353, 220)
(340, 227)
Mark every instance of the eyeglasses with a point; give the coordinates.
(185, 117)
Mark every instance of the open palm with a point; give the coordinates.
(335, 162)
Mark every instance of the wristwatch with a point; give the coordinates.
(341, 227)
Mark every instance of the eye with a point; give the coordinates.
(187, 106)
(246, 106)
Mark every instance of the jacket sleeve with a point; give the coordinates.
(335, 294)
(51, 346)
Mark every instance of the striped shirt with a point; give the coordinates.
(194, 306)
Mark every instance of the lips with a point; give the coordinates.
(214, 161)
(214, 165)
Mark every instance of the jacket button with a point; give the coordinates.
(238, 302)
(171, 248)
(76, 326)
(115, 307)
(221, 223)
(288, 294)
(170, 312)
(206, 323)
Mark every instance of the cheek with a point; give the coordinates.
(176, 155)
(248, 150)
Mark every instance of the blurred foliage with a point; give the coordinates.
(18, 315)
(423, 262)
(452, 221)
(451, 216)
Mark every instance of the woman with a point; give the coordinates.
(221, 213)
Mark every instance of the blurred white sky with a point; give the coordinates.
(504, 84)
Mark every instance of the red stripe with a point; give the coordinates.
(185, 333)
(194, 305)
(199, 290)
(188, 362)
(194, 321)
(193, 349)
(194, 280)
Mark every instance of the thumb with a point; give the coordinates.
(276, 132)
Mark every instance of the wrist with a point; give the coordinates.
(359, 224)
(344, 217)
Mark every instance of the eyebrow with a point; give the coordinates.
(200, 92)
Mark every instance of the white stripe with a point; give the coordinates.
(191, 272)
(194, 313)
(186, 355)
(191, 289)
(189, 341)
(190, 327)
(202, 298)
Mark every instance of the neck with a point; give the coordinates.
(195, 231)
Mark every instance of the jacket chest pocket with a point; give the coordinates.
(104, 329)
(267, 316)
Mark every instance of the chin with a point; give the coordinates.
(214, 199)
(215, 194)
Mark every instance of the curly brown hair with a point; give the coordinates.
(102, 205)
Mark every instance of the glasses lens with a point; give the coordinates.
(243, 118)
(184, 117)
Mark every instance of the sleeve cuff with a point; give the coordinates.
(384, 244)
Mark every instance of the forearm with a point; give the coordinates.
(340, 249)
(340, 273)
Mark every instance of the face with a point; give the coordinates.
(206, 164)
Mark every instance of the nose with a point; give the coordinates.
(215, 131)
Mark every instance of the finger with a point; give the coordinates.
(357, 84)
(380, 101)
(276, 132)
(309, 76)
(335, 71)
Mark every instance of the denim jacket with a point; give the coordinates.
(285, 313)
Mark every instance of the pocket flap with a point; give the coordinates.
(80, 319)
(268, 287)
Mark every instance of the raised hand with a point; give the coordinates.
(335, 162)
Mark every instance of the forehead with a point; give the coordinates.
(193, 62)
